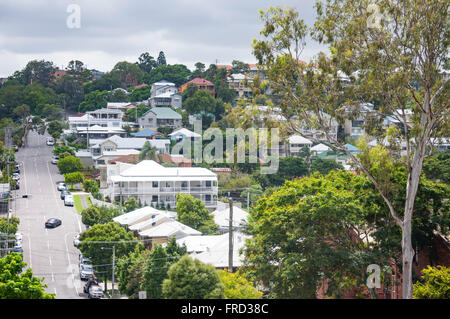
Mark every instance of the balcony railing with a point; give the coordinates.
(193, 189)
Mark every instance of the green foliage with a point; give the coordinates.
(69, 164)
(13, 225)
(107, 233)
(98, 215)
(55, 129)
(192, 279)
(128, 73)
(435, 284)
(118, 95)
(289, 168)
(192, 212)
(131, 204)
(236, 286)
(146, 62)
(94, 100)
(437, 167)
(157, 265)
(324, 166)
(202, 102)
(130, 269)
(140, 94)
(73, 178)
(18, 284)
(91, 186)
(59, 150)
(161, 59)
(177, 73)
(148, 152)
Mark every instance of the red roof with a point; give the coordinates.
(200, 81)
(228, 67)
(141, 85)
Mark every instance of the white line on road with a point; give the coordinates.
(71, 269)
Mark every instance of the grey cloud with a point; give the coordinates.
(186, 30)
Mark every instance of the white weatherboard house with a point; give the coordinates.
(222, 218)
(296, 143)
(154, 184)
(214, 249)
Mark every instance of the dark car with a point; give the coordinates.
(52, 223)
(64, 193)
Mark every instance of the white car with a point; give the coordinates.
(68, 200)
(55, 159)
(50, 142)
(19, 236)
(61, 186)
(95, 292)
(86, 271)
(76, 240)
(16, 176)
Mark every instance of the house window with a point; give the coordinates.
(154, 184)
(208, 183)
(108, 148)
(207, 198)
(154, 198)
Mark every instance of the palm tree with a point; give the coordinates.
(148, 152)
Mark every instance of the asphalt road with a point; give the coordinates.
(49, 252)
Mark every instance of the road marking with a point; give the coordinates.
(29, 243)
(71, 270)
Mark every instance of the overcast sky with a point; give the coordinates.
(188, 31)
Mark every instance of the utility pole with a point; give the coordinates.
(7, 144)
(230, 238)
(113, 264)
(64, 103)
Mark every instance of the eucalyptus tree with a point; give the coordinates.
(389, 54)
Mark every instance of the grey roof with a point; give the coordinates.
(164, 113)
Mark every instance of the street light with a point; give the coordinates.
(113, 263)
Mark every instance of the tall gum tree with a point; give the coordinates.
(389, 53)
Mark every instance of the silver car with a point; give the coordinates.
(86, 271)
(95, 291)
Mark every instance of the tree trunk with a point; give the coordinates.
(407, 255)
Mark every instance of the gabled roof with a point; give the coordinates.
(320, 148)
(169, 229)
(185, 132)
(137, 216)
(200, 81)
(298, 139)
(165, 113)
(144, 133)
(221, 217)
(214, 251)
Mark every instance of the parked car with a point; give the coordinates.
(61, 186)
(50, 142)
(86, 271)
(18, 236)
(17, 185)
(93, 289)
(68, 200)
(17, 169)
(52, 223)
(16, 148)
(95, 292)
(55, 159)
(15, 176)
(76, 240)
(83, 260)
(18, 247)
(65, 192)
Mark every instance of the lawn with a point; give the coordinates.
(77, 203)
